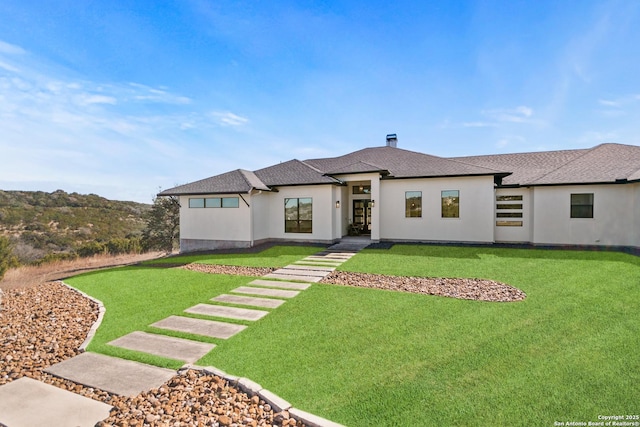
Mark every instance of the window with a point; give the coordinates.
(214, 202)
(298, 215)
(361, 189)
(451, 204)
(413, 204)
(196, 203)
(582, 205)
(506, 210)
(230, 202)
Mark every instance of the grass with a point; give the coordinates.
(276, 256)
(569, 352)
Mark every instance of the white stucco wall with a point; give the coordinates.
(614, 222)
(476, 221)
(323, 212)
(261, 215)
(515, 234)
(214, 224)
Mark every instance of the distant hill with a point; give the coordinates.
(41, 223)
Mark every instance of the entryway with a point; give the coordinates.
(362, 216)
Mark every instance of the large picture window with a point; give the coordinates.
(413, 204)
(298, 215)
(582, 205)
(450, 204)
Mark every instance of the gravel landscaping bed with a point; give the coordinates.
(472, 289)
(46, 324)
(229, 269)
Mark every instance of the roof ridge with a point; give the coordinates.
(304, 162)
(244, 172)
(587, 151)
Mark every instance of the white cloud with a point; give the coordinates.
(226, 118)
(88, 99)
(478, 124)
(520, 114)
(11, 49)
(609, 103)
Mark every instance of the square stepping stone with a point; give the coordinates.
(280, 284)
(281, 293)
(26, 402)
(301, 272)
(293, 277)
(163, 346)
(310, 268)
(224, 311)
(208, 328)
(253, 301)
(119, 376)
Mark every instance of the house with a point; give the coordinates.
(570, 197)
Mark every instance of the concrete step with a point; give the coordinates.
(207, 328)
(26, 402)
(280, 284)
(160, 345)
(284, 276)
(278, 293)
(119, 376)
(252, 301)
(229, 312)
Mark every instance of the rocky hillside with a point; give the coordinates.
(40, 223)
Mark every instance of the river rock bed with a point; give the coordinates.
(471, 289)
(229, 269)
(46, 324)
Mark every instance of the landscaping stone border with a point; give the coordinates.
(277, 403)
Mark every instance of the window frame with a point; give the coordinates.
(409, 211)
(300, 224)
(455, 204)
(576, 213)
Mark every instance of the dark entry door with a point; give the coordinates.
(362, 215)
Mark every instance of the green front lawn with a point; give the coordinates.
(569, 352)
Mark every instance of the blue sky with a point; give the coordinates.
(121, 98)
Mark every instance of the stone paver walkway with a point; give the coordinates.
(187, 351)
(129, 378)
(26, 402)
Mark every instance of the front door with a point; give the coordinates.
(362, 216)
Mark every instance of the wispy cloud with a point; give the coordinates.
(520, 114)
(11, 49)
(226, 118)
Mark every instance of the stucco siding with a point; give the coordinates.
(510, 233)
(322, 212)
(614, 216)
(475, 222)
(261, 215)
(215, 224)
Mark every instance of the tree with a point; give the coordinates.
(163, 224)
(7, 259)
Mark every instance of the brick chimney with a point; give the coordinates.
(392, 140)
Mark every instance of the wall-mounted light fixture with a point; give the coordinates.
(337, 204)
(373, 203)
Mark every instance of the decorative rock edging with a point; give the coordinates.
(96, 324)
(277, 403)
(251, 388)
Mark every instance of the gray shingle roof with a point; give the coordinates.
(293, 172)
(601, 164)
(400, 164)
(237, 181)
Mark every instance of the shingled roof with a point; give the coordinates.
(399, 163)
(605, 163)
(237, 181)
